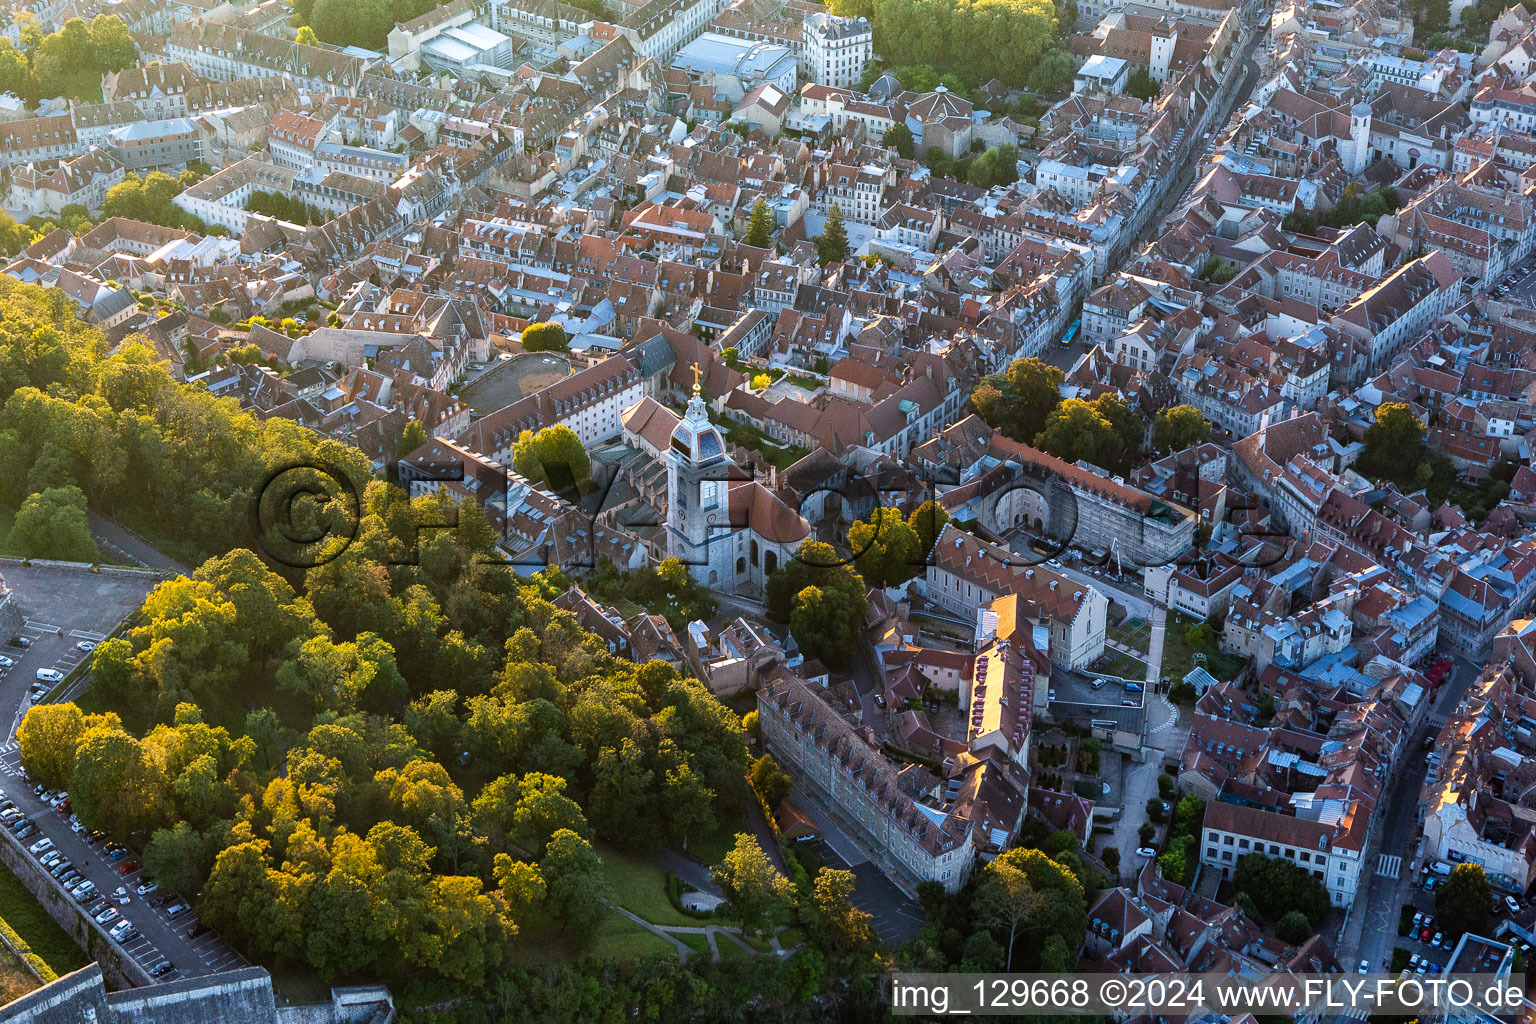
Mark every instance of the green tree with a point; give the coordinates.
(1141, 85)
(521, 885)
(1394, 444)
(555, 455)
(771, 784)
(53, 524)
(623, 805)
(1179, 427)
(928, 521)
(839, 927)
(1059, 909)
(180, 857)
(887, 551)
(1076, 431)
(543, 809)
(760, 225)
(1054, 72)
(1278, 886)
(833, 243)
(756, 893)
(115, 49)
(1294, 927)
(817, 564)
(48, 737)
(307, 37)
(827, 624)
(1020, 402)
(1007, 900)
(899, 137)
(1462, 902)
(574, 881)
(547, 336)
(116, 786)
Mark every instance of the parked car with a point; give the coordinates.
(69, 878)
(49, 859)
(20, 641)
(120, 894)
(1146, 852)
(57, 871)
(1512, 904)
(1418, 921)
(38, 847)
(1426, 934)
(1132, 687)
(7, 662)
(26, 830)
(161, 971)
(86, 645)
(176, 910)
(146, 887)
(128, 867)
(1437, 940)
(1365, 967)
(49, 675)
(120, 930)
(96, 836)
(116, 855)
(107, 916)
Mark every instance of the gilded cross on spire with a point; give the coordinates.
(696, 375)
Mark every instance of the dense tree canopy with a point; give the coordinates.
(1278, 886)
(555, 455)
(887, 551)
(1178, 428)
(1394, 444)
(547, 336)
(1462, 902)
(829, 597)
(982, 40)
(1020, 401)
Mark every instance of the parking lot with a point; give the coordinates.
(1523, 289)
(163, 937)
(63, 608)
(66, 611)
(1432, 958)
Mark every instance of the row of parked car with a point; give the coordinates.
(81, 889)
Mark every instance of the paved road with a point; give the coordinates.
(1392, 857)
(1197, 164)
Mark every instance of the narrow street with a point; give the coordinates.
(1370, 932)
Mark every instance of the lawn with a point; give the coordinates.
(640, 887)
(614, 937)
(697, 942)
(782, 456)
(23, 913)
(711, 849)
(1178, 657)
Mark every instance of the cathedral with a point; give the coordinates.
(729, 530)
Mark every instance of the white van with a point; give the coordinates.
(49, 675)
